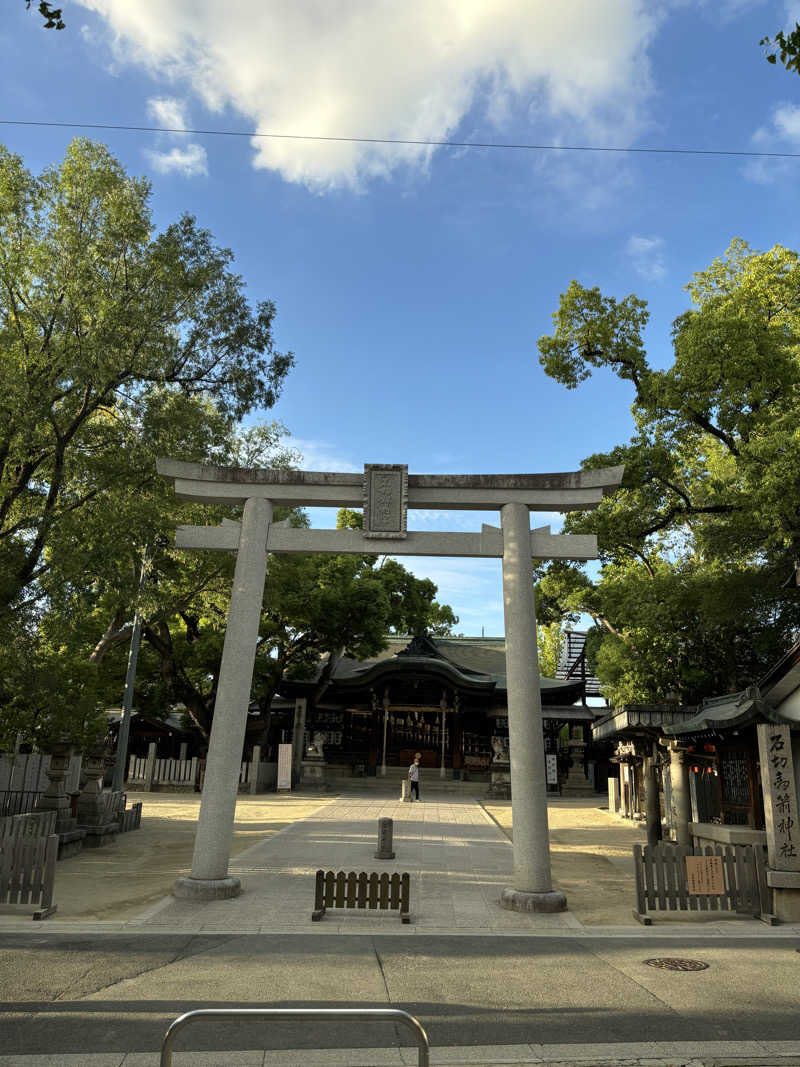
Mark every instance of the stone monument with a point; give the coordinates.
(576, 784)
(500, 770)
(312, 766)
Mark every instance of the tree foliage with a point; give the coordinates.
(51, 15)
(112, 339)
(784, 46)
(697, 544)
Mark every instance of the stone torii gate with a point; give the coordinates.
(385, 492)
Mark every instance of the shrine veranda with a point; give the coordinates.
(385, 492)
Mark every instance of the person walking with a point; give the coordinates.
(413, 777)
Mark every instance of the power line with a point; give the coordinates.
(402, 141)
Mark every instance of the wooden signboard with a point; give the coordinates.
(704, 875)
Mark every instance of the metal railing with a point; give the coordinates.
(393, 1015)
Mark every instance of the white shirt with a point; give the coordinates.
(413, 772)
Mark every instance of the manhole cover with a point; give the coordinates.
(666, 963)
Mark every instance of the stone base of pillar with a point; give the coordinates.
(70, 843)
(577, 784)
(188, 888)
(312, 774)
(500, 780)
(519, 900)
(100, 836)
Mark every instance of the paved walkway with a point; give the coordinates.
(458, 859)
(625, 1054)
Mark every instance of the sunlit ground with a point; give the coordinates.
(591, 854)
(590, 857)
(138, 869)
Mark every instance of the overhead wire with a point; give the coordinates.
(513, 146)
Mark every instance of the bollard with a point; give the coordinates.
(405, 791)
(384, 840)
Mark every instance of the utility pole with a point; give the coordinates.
(130, 677)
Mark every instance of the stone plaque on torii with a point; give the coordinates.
(385, 492)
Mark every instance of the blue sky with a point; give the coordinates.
(413, 283)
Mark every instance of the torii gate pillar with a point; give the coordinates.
(532, 888)
(212, 843)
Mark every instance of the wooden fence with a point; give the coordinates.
(27, 772)
(131, 818)
(180, 773)
(27, 872)
(662, 881)
(31, 824)
(165, 771)
(383, 892)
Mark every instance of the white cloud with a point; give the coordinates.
(190, 161)
(323, 456)
(185, 157)
(168, 112)
(378, 68)
(647, 256)
(781, 133)
(786, 120)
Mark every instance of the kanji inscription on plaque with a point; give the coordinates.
(385, 500)
(780, 796)
(704, 875)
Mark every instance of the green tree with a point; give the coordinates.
(115, 342)
(550, 640)
(51, 15)
(785, 46)
(696, 546)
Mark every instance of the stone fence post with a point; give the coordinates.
(150, 767)
(254, 764)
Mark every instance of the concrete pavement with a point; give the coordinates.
(489, 986)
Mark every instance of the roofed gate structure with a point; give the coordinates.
(385, 492)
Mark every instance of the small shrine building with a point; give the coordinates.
(445, 698)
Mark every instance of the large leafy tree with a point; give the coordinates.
(117, 344)
(113, 338)
(697, 545)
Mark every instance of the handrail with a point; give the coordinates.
(287, 1014)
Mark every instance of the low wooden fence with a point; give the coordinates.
(30, 824)
(18, 801)
(375, 891)
(27, 872)
(725, 879)
(131, 818)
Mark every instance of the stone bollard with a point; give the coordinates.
(405, 791)
(385, 828)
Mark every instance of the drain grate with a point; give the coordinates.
(667, 963)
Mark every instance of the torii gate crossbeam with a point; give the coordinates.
(385, 493)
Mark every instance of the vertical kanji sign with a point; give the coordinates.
(780, 797)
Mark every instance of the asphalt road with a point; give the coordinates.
(69, 993)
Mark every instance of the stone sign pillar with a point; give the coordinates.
(209, 878)
(298, 732)
(781, 818)
(679, 785)
(532, 888)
